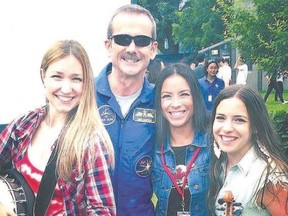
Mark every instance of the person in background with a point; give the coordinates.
(125, 99)
(280, 79)
(189, 61)
(71, 124)
(272, 84)
(210, 84)
(192, 65)
(225, 71)
(242, 71)
(154, 69)
(182, 155)
(249, 163)
(200, 69)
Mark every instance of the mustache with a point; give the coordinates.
(131, 56)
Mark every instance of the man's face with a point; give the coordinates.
(131, 60)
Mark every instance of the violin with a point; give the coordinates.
(228, 198)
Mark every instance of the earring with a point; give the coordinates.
(216, 149)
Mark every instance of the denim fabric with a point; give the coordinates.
(198, 178)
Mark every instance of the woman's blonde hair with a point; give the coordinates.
(84, 128)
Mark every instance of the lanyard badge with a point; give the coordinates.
(173, 178)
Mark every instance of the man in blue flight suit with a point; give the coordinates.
(125, 101)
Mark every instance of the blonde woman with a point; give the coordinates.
(71, 124)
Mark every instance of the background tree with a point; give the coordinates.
(198, 24)
(260, 30)
(190, 23)
(164, 14)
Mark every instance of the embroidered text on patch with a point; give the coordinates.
(144, 115)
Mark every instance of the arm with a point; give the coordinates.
(6, 145)
(275, 199)
(268, 78)
(237, 62)
(10, 135)
(99, 192)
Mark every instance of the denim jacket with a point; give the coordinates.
(198, 178)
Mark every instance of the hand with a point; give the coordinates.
(4, 211)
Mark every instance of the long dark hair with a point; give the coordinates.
(263, 135)
(199, 119)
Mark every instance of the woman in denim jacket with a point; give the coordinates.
(182, 152)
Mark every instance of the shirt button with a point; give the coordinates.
(196, 207)
(196, 187)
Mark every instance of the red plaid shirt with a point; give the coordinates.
(87, 193)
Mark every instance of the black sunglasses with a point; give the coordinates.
(125, 40)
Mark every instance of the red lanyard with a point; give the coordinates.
(173, 179)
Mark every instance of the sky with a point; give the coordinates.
(28, 28)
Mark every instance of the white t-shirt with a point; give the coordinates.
(279, 77)
(126, 101)
(224, 73)
(242, 74)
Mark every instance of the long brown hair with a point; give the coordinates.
(84, 129)
(263, 136)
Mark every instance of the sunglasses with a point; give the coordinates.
(125, 40)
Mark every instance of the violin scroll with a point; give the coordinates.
(228, 198)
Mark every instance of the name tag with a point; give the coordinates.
(183, 213)
(144, 115)
(209, 98)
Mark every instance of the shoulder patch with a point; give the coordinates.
(107, 115)
(143, 166)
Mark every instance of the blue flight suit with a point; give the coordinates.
(133, 141)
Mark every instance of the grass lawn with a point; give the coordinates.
(274, 106)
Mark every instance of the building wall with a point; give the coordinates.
(29, 27)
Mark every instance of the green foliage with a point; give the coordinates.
(164, 14)
(260, 31)
(280, 119)
(198, 25)
(278, 113)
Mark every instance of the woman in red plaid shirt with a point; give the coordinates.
(70, 123)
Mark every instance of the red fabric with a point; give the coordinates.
(33, 177)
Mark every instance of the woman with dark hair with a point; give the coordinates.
(182, 155)
(210, 84)
(250, 165)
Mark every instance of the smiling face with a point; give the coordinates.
(232, 128)
(177, 102)
(63, 82)
(131, 60)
